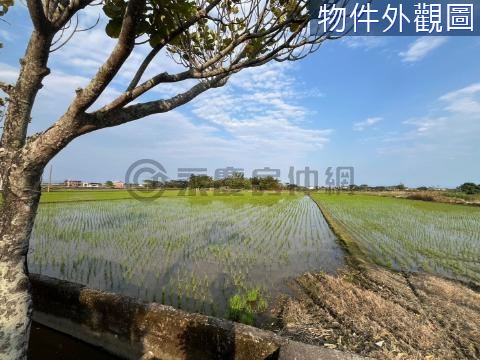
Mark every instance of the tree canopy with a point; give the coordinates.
(470, 188)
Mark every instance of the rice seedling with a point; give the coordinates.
(411, 235)
(244, 308)
(193, 252)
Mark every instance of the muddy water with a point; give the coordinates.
(187, 253)
(49, 344)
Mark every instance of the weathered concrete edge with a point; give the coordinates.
(133, 329)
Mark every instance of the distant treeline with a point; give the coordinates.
(467, 188)
(240, 182)
(235, 181)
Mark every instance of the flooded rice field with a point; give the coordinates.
(193, 253)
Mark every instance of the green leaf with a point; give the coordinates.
(155, 39)
(110, 10)
(113, 28)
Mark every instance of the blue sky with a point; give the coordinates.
(398, 109)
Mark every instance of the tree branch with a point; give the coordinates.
(32, 71)
(201, 73)
(137, 111)
(6, 88)
(131, 95)
(40, 21)
(172, 35)
(125, 44)
(73, 7)
(143, 67)
(43, 147)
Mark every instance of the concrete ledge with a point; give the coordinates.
(133, 329)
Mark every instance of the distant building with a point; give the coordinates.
(73, 183)
(92, 185)
(118, 184)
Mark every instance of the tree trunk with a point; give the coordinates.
(21, 194)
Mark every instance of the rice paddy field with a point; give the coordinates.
(409, 235)
(200, 253)
(212, 254)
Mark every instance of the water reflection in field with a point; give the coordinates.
(191, 253)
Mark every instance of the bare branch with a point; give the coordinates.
(68, 38)
(74, 31)
(60, 16)
(62, 31)
(91, 26)
(6, 88)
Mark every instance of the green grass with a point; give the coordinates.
(83, 195)
(196, 196)
(461, 195)
(244, 308)
(408, 234)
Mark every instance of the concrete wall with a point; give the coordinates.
(132, 329)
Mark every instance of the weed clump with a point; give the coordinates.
(244, 308)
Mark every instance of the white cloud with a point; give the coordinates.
(362, 125)
(421, 47)
(465, 101)
(87, 51)
(426, 124)
(450, 129)
(259, 109)
(90, 14)
(173, 139)
(364, 42)
(57, 92)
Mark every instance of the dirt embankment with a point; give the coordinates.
(434, 196)
(386, 315)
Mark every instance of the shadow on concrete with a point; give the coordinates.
(210, 341)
